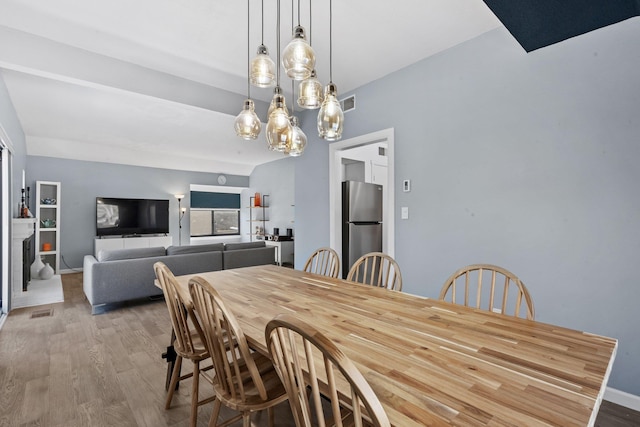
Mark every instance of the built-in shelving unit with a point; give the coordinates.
(48, 223)
(258, 217)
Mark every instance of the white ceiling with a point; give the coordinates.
(159, 82)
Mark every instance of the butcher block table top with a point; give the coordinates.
(431, 362)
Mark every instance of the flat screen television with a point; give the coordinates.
(130, 217)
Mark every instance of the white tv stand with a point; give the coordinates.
(110, 243)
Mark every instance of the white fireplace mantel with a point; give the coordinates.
(21, 228)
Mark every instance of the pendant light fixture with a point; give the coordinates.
(298, 58)
(310, 93)
(278, 127)
(247, 124)
(272, 105)
(279, 131)
(262, 66)
(330, 116)
(298, 137)
(310, 89)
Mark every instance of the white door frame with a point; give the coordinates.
(5, 223)
(335, 188)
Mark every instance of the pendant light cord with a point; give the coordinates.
(330, 42)
(262, 37)
(298, 11)
(248, 55)
(293, 96)
(310, 21)
(293, 93)
(278, 43)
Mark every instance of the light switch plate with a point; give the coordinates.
(404, 212)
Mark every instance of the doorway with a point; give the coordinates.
(374, 171)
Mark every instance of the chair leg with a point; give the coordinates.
(194, 393)
(270, 415)
(213, 421)
(175, 377)
(246, 419)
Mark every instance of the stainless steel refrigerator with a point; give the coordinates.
(361, 221)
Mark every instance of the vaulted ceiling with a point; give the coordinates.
(159, 82)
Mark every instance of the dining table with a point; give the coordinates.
(431, 362)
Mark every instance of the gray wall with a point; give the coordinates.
(528, 161)
(82, 182)
(312, 194)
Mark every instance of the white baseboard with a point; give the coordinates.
(622, 398)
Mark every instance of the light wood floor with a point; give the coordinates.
(74, 369)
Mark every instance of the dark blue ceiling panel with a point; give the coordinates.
(540, 23)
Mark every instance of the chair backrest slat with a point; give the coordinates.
(505, 297)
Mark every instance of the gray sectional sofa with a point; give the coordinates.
(122, 275)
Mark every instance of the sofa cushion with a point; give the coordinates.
(175, 250)
(244, 245)
(194, 263)
(120, 280)
(119, 254)
(249, 257)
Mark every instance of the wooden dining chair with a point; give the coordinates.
(489, 287)
(377, 269)
(188, 342)
(245, 381)
(324, 261)
(312, 369)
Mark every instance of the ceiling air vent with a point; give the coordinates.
(348, 104)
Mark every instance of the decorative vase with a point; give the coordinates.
(36, 266)
(47, 272)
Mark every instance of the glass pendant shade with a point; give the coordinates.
(298, 58)
(330, 116)
(272, 105)
(247, 123)
(310, 92)
(279, 131)
(263, 69)
(298, 139)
